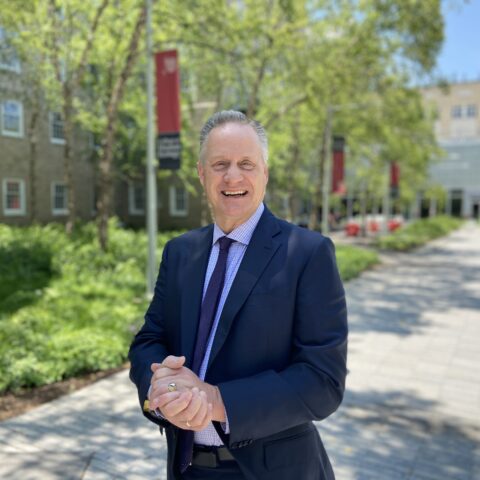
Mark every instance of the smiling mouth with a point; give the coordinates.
(234, 193)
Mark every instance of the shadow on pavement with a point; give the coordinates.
(397, 302)
(395, 435)
(114, 441)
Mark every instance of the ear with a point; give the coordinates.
(201, 172)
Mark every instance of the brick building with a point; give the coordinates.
(36, 191)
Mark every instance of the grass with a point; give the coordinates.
(354, 260)
(418, 233)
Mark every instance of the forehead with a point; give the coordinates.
(233, 139)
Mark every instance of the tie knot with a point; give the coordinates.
(224, 243)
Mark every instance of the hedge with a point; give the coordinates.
(66, 308)
(418, 233)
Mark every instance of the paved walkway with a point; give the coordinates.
(412, 410)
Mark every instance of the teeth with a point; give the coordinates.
(241, 192)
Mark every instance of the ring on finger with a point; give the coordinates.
(172, 387)
(187, 424)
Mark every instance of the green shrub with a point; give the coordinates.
(418, 233)
(354, 260)
(66, 307)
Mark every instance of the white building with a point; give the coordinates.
(457, 129)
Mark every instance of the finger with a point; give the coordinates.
(206, 419)
(172, 409)
(173, 362)
(155, 366)
(165, 372)
(199, 417)
(160, 401)
(192, 409)
(159, 387)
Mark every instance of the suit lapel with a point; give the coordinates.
(192, 289)
(260, 250)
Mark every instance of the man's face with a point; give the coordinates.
(233, 174)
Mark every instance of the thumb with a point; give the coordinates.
(173, 362)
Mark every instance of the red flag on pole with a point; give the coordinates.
(394, 174)
(394, 179)
(338, 167)
(168, 109)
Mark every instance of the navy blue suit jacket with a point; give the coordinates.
(279, 353)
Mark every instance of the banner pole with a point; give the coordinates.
(151, 170)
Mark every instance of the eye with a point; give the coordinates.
(219, 166)
(247, 165)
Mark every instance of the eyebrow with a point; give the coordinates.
(223, 157)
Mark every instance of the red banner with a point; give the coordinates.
(394, 174)
(338, 167)
(168, 92)
(168, 110)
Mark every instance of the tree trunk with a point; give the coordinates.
(68, 159)
(317, 195)
(32, 137)
(292, 203)
(105, 186)
(363, 211)
(106, 158)
(432, 211)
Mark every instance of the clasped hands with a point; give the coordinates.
(193, 405)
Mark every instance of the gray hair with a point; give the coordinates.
(233, 116)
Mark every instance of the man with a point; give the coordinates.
(244, 343)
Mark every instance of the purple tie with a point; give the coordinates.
(207, 315)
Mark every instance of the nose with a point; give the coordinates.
(233, 175)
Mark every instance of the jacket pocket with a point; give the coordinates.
(289, 451)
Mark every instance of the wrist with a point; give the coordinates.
(215, 398)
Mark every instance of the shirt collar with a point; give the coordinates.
(243, 233)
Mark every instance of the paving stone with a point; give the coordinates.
(44, 466)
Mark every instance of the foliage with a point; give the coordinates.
(354, 260)
(418, 233)
(66, 307)
(286, 62)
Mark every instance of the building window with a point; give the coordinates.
(8, 56)
(178, 201)
(59, 198)
(472, 111)
(57, 132)
(457, 111)
(13, 197)
(136, 199)
(12, 118)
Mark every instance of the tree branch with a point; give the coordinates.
(91, 35)
(280, 113)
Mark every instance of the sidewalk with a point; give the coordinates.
(412, 408)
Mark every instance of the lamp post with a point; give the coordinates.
(327, 170)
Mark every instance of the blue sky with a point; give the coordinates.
(460, 55)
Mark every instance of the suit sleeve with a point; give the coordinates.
(150, 344)
(312, 385)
